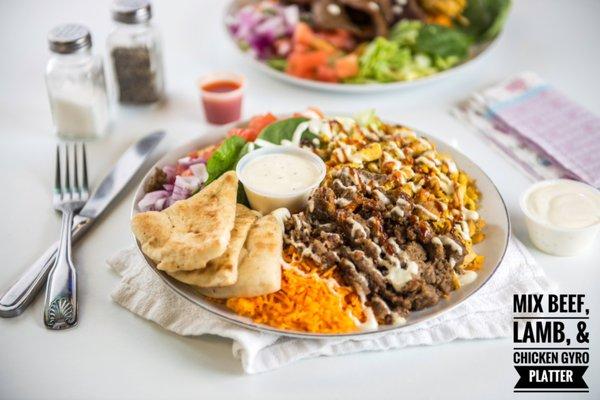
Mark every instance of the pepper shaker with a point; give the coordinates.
(135, 53)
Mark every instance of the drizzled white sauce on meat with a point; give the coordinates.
(467, 277)
(397, 211)
(469, 214)
(398, 276)
(446, 241)
(356, 227)
(451, 166)
(381, 197)
(390, 163)
(445, 183)
(425, 211)
(342, 202)
(463, 229)
(426, 161)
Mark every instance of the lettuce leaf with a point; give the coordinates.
(224, 158)
(279, 64)
(405, 32)
(440, 41)
(284, 130)
(485, 18)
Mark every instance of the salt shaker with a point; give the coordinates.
(135, 53)
(76, 85)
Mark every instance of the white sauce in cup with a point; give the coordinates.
(280, 177)
(280, 173)
(562, 216)
(565, 204)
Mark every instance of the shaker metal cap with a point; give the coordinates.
(131, 11)
(69, 38)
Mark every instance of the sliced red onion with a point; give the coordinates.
(171, 172)
(179, 193)
(187, 161)
(148, 202)
(199, 171)
(260, 25)
(189, 183)
(160, 204)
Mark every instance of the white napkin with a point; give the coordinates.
(487, 314)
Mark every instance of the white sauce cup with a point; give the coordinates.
(555, 240)
(265, 202)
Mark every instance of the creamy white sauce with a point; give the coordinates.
(452, 244)
(469, 214)
(467, 277)
(446, 241)
(428, 213)
(426, 161)
(565, 204)
(342, 202)
(398, 277)
(280, 173)
(397, 211)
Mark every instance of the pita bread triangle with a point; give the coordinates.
(190, 233)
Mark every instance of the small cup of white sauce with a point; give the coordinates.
(280, 177)
(562, 215)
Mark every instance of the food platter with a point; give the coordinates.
(477, 53)
(493, 248)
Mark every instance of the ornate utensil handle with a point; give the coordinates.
(24, 290)
(60, 307)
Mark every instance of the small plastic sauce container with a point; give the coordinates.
(565, 234)
(266, 198)
(221, 95)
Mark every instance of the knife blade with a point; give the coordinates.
(23, 291)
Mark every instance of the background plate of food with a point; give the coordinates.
(401, 228)
(364, 45)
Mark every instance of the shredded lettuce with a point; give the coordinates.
(368, 118)
(414, 50)
(406, 33)
(386, 61)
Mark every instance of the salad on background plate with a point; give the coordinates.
(362, 42)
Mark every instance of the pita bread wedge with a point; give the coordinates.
(259, 271)
(191, 232)
(223, 270)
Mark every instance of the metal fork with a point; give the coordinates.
(60, 308)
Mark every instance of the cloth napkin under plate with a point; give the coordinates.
(485, 315)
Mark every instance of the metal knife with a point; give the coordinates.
(18, 297)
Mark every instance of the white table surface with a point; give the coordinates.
(112, 353)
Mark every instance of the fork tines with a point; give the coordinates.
(62, 183)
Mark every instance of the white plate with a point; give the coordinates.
(493, 210)
(477, 53)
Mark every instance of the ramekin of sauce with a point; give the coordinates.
(562, 215)
(280, 177)
(221, 95)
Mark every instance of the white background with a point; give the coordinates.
(112, 353)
